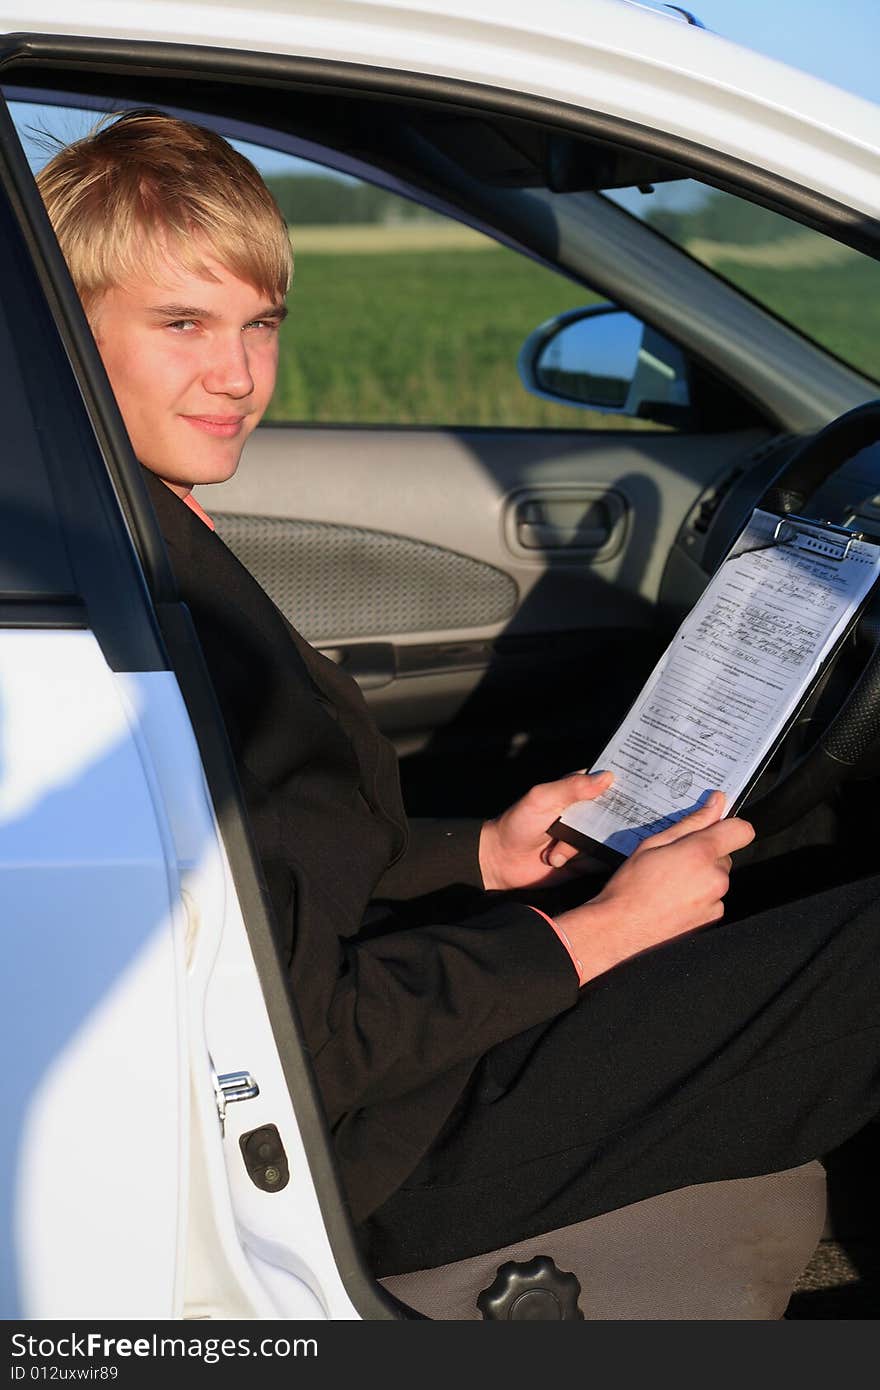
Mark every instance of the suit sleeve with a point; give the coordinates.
(438, 853)
(410, 1005)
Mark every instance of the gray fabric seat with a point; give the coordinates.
(715, 1251)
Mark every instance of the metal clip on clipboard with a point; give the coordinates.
(820, 538)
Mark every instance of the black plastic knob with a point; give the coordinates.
(533, 1291)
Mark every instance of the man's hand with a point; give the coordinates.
(515, 849)
(673, 883)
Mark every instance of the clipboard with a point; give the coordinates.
(759, 640)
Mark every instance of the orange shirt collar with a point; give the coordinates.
(199, 511)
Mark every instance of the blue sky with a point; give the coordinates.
(834, 39)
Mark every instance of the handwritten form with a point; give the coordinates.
(730, 680)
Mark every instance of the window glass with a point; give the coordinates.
(402, 316)
(820, 287)
(398, 315)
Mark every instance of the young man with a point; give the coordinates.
(501, 1073)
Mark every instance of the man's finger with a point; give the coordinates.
(582, 786)
(578, 786)
(705, 815)
(558, 853)
(727, 836)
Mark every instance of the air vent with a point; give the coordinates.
(708, 506)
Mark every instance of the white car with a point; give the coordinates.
(575, 282)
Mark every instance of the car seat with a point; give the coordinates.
(715, 1251)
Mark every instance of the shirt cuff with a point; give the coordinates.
(565, 941)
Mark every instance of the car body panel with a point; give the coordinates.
(94, 1012)
(118, 901)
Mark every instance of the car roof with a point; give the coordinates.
(615, 56)
(641, 29)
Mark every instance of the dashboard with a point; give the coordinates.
(849, 497)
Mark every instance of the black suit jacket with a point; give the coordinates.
(395, 1016)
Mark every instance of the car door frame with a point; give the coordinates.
(157, 633)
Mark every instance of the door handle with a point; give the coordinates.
(588, 522)
(370, 663)
(539, 535)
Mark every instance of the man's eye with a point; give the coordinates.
(182, 325)
(270, 325)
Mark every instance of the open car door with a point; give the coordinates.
(153, 1164)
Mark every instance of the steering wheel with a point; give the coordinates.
(856, 725)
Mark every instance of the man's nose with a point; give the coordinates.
(228, 373)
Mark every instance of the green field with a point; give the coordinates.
(837, 305)
(431, 337)
(419, 338)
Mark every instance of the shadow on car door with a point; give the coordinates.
(493, 650)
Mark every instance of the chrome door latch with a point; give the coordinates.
(232, 1086)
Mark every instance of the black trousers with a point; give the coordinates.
(744, 1048)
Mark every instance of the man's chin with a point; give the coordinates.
(216, 473)
(197, 476)
(215, 464)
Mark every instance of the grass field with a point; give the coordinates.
(834, 303)
(429, 334)
(380, 238)
(417, 337)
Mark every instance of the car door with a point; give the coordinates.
(92, 1008)
(155, 1051)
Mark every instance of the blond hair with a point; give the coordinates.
(145, 188)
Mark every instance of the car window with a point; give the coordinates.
(399, 315)
(811, 281)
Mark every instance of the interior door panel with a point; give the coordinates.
(342, 583)
(494, 592)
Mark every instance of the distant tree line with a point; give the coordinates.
(720, 218)
(319, 200)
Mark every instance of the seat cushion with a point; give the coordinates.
(723, 1250)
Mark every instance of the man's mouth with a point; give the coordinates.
(221, 426)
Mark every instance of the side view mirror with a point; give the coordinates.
(604, 359)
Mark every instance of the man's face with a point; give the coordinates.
(192, 363)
